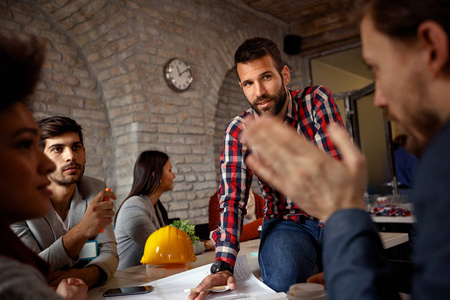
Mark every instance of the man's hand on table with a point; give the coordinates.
(219, 278)
(317, 278)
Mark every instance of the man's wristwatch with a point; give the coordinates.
(219, 265)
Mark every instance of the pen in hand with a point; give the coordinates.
(105, 199)
(221, 288)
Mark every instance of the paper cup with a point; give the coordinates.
(306, 291)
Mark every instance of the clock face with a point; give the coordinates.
(178, 74)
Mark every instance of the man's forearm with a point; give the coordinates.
(227, 248)
(74, 241)
(232, 194)
(91, 275)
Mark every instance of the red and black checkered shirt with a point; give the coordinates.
(309, 111)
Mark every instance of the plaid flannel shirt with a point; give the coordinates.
(309, 111)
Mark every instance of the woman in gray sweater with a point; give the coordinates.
(142, 213)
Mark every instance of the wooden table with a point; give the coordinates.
(137, 275)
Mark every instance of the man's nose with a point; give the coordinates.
(379, 99)
(70, 155)
(259, 89)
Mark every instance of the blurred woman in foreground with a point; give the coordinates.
(142, 213)
(23, 177)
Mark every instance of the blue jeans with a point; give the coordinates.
(288, 252)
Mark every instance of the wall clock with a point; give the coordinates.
(178, 74)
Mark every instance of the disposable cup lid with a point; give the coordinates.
(307, 289)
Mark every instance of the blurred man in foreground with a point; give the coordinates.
(406, 43)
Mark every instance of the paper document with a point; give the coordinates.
(248, 287)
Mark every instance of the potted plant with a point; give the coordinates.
(199, 246)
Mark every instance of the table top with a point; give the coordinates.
(391, 239)
(137, 275)
(381, 219)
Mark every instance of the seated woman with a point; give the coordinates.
(24, 192)
(142, 213)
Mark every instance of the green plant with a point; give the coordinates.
(186, 227)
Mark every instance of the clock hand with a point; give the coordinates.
(179, 74)
(184, 71)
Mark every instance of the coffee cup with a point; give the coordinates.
(306, 291)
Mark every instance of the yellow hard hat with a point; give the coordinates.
(168, 245)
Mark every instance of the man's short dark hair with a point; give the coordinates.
(401, 18)
(56, 126)
(20, 68)
(258, 47)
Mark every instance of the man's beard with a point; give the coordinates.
(428, 125)
(60, 179)
(279, 99)
(422, 122)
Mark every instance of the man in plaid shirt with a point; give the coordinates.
(290, 239)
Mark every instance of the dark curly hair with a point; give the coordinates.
(20, 67)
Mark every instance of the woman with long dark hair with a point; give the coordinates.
(142, 213)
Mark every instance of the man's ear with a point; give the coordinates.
(286, 75)
(436, 40)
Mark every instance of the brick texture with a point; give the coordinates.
(104, 68)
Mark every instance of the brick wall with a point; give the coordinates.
(104, 68)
